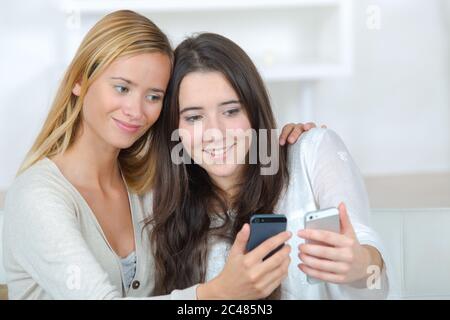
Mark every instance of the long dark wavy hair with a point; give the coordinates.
(185, 199)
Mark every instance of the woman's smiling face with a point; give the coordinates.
(126, 99)
(214, 126)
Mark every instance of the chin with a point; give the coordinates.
(222, 171)
(121, 140)
(123, 143)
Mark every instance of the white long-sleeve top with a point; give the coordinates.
(322, 174)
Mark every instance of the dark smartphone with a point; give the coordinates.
(263, 227)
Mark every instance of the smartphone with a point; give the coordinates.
(324, 219)
(263, 227)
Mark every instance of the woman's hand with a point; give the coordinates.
(246, 275)
(341, 259)
(291, 132)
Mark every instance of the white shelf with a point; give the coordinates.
(97, 6)
(303, 72)
(308, 40)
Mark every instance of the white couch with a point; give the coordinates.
(2, 270)
(418, 242)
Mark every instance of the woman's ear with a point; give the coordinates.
(76, 89)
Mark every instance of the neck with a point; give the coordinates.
(90, 162)
(228, 184)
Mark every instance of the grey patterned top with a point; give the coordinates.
(128, 268)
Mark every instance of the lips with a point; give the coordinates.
(127, 127)
(218, 152)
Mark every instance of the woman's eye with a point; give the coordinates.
(153, 97)
(121, 89)
(193, 118)
(231, 112)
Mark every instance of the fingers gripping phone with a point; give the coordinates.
(263, 227)
(324, 219)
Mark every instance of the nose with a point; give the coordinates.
(213, 129)
(134, 108)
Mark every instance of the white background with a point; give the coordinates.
(393, 111)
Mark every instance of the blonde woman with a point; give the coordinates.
(74, 215)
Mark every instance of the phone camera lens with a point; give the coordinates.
(262, 220)
(310, 217)
(256, 220)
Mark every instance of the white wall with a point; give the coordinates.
(399, 93)
(30, 64)
(393, 113)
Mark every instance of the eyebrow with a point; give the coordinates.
(189, 109)
(134, 84)
(229, 102)
(219, 105)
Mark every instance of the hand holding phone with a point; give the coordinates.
(245, 274)
(332, 253)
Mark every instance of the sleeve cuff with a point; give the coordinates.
(185, 294)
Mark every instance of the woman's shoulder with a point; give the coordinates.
(307, 147)
(312, 138)
(36, 184)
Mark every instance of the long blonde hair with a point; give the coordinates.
(117, 34)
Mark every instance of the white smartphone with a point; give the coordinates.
(323, 219)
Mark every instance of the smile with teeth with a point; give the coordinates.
(218, 152)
